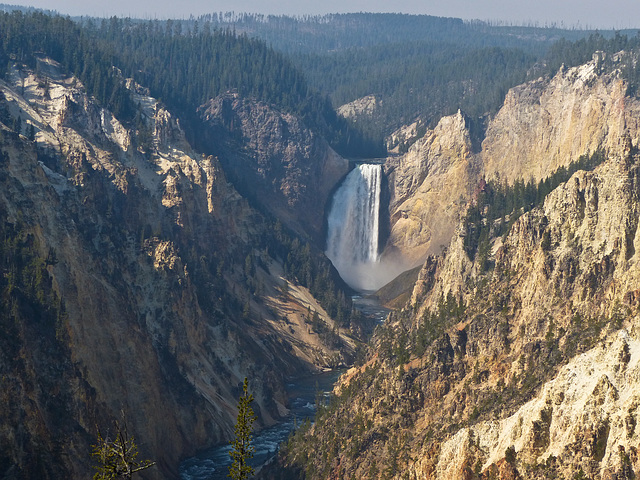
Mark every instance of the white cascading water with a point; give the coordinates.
(353, 227)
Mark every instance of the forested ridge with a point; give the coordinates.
(182, 68)
(342, 31)
(429, 79)
(419, 80)
(418, 66)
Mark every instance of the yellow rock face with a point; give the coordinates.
(430, 186)
(543, 125)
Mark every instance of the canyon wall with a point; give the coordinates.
(275, 160)
(522, 364)
(161, 275)
(543, 125)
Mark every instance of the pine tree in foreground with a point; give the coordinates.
(243, 447)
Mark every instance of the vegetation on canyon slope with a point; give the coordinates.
(415, 359)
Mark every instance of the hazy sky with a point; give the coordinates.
(584, 13)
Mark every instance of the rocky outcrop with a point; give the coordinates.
(405, 136)
(582, 420)
(429, 188)
(546, 124)
(282, 165)
(365, 106)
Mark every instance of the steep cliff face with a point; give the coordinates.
(564, 280)
(282, 164)
(429, 187)
(545, 124)
(163, 274)
(542, 126)
(522, 365)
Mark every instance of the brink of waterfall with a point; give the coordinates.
(353, 233)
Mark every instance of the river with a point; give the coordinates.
(371, 309)
(213, 464)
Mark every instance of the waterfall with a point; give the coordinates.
(353, 227)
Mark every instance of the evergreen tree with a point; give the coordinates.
(242, 445)
(31, 132)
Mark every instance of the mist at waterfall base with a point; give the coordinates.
(353, 231)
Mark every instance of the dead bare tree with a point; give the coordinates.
(117, 456)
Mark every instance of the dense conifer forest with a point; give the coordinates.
(338, 32)
(419, 67)
(181, 68)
